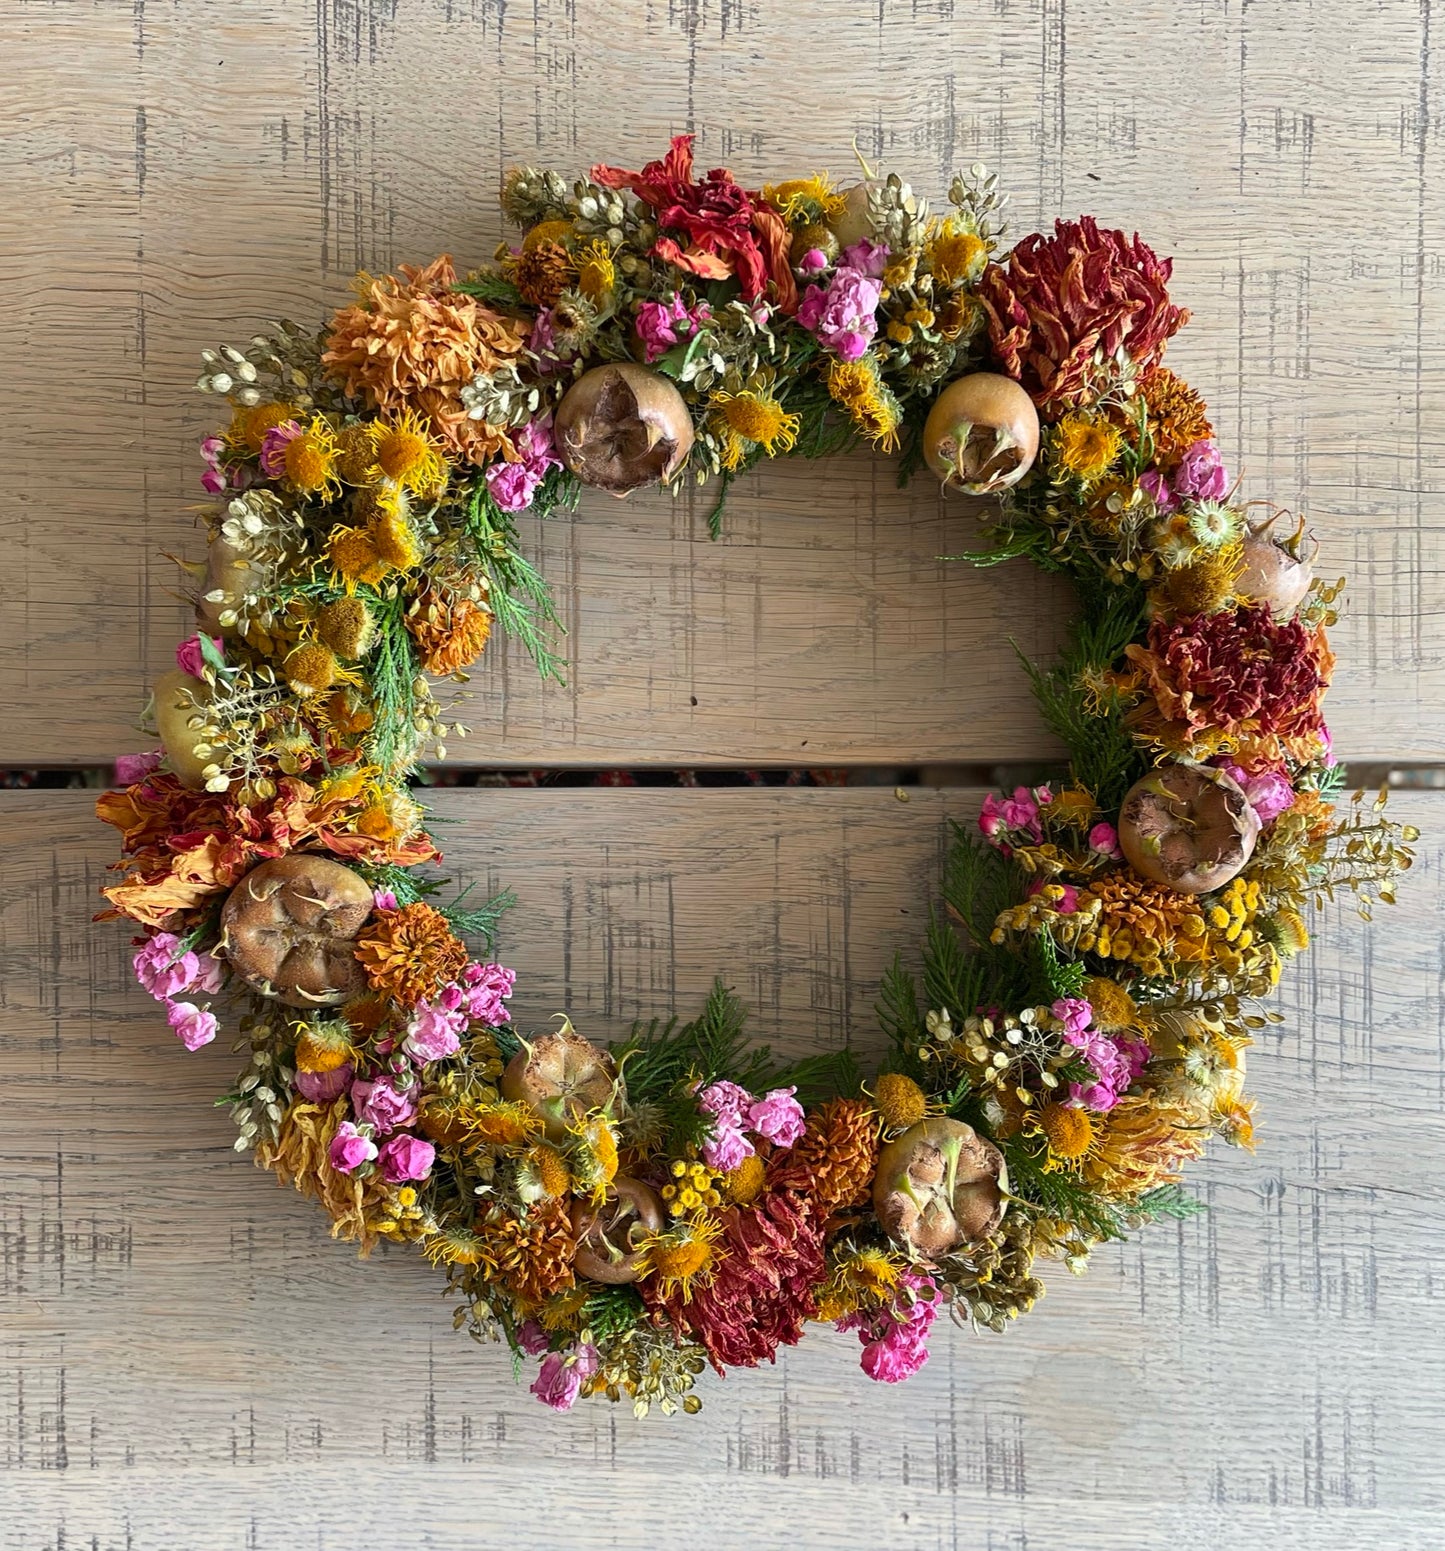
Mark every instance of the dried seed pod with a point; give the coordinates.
(289, 927)
(982, 434)
(622, 426)
(939, 1186)
(1274, 572)
(608, 1235)
(178, 700)
(1188, 827)
(562, 1077)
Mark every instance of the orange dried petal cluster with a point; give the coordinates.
(450, 633)
(413, 343)
(1177, 415)
(411, 953)
(531, 1255)
(835, 1160)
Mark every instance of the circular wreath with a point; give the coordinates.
(632, 1212)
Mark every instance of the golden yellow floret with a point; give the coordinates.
(1086, 447)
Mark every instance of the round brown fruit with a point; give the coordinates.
(289, 927)
(1189, 827)
(561, 1077)
(1273, 573)
(230, 572)
(855, 221)
(982, 434)
(176, 700)
(939, 1187)
(608, 1235)
(622, 426)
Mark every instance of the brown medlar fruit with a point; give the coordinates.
(622, 426)
(232, 573)
(939, 1186)
(1189, 827)
(289, 926)
(560, 1076)
(982, 434)
(176, 700)
(607, 1235)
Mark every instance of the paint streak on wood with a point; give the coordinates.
(187, 1361)
(185, 171)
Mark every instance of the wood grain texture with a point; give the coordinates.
(187, 1363)
(178, 170)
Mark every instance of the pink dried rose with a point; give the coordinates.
(778, 1117)
(484, 988)
(867, 257)
(213, 449)
(661, 325)
(1269, 792)
(1076, 1013)
(532, 1338)
(350, 1148)
(406, 1157)
(383, 899)
(1104, 841)
(194, 1026)
(189, 658)
(560, 1379)
(1201, 474)
(323, 1087)
(131, 768)
(434, 1030)
(727, 1103)
(1156, 486)
(164, 968)
(1017, 815)
(514, 485)
(383, 1104)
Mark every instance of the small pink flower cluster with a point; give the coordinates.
(561, 1375)
(1200, 476)
(843, 314)
(167, 970)
(777, 1117)
(661, 325)
(513, 485)
(220, 475)
(436, 1027)
(1115, 1062)
(1270, 792)
(895, 1339)
(1016, 816)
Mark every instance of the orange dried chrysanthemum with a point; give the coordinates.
(1177, 415)
(541, 271)
(411, 342)
(449, 632)
(530, 1255)
(835, 1161)
(411, 953)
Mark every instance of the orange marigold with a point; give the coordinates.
(530, 1255)
(449, 632)
(411, 953)
(541, 271)
(411, 342)
(835, 1161)
(1177, 415)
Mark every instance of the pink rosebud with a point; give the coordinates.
(1104, 841)
(560, 1379)
(131, 768)
(322, 1087)
(384, 1105)
(188, 655)
(1157, 488)
(164, 968)
(778, 1116)
(194, 1026)
(350, 1149)
(383, 899)
(532, 1338)
(213, 481)
(406, 1157)
(813, 262)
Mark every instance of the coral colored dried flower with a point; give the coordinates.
(450, 632)
(411, 953)
(1217, 679)
(1177, 416)
(531, 1254)
(1059, 307)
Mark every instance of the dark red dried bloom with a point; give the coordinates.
(1236, 674)
(1059, 304)
(724, 231)
(770, 1257)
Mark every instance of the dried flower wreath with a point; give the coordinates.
(629, 1214)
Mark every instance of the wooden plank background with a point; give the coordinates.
(186, 1362)
(177, 171)
(189, 1362)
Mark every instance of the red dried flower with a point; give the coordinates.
(724, 231)
(1229, 678)
(1060, 304)
(769, 1259)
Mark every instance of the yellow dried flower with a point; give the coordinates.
(899, 1100)
(1114, 1008)
(310, 669)
(596, 272)
(354, 557)
(682, 1256)
(955, 257)
(752, 418)
(249, 425)
(743, 1184)
(404, 452)
(346, 626)
(1086, 447)
(869, 402)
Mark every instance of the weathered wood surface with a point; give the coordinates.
(176, 172)
(188, 1362)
